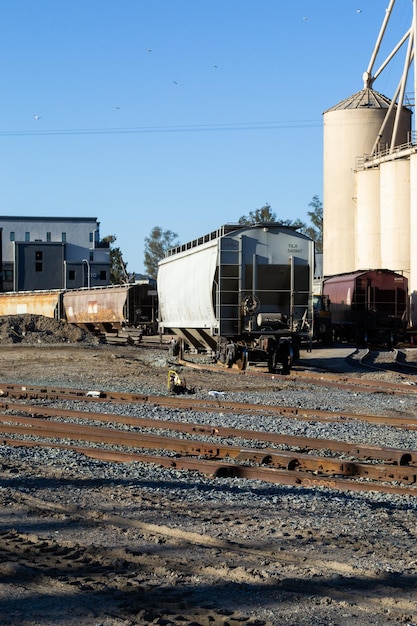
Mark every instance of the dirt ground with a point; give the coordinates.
(82, 543)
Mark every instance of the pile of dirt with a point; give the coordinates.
(37, 329)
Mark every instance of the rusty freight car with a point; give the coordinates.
(368, 307)
(113, 307)
(46, 303)
(102, 309)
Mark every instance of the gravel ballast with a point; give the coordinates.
(88, 542)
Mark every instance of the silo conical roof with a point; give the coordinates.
(364, 99)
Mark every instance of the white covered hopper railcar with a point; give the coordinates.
(243, 293)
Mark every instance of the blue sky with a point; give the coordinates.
(184, 114)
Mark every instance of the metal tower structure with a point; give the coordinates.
(370, 163)
(370, 75)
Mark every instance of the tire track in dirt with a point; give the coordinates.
(178, 559)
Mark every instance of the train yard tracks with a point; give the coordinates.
(98, 523)
(213, 450)
(394, 360)
(324, 373)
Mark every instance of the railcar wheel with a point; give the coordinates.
(286, 357)
(281, 359)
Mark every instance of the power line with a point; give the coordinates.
(191, 128)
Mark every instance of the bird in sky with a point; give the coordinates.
(37, 117)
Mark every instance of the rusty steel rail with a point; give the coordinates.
(388, 454)
(321, 466)
(227, 470)
(26, 392)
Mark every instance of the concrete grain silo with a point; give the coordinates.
(350, 132)
(370, 164)
(413, 237)
(395, 214)
(368, 223)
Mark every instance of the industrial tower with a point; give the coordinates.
(370, 171)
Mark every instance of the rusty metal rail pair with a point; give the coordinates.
(390, 455)
(227, 470)
(195, 404)
(302, 466)
(216, 469)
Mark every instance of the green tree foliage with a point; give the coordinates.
(156, 245)
(265, 215)
(259, 216)
(118, 268)
(315, 231)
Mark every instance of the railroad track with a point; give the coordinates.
(393, 360)
(218, 405)
(212, 450)
(337, 380)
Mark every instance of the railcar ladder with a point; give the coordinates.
(229, 286)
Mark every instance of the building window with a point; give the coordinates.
(91, 237)
(27, 236)
(48, 236)
(71, 275)
(91, 255)
(12, 235)
(63, 237)
(103, 274)
(38, 255)
(38, 267)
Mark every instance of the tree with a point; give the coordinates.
(156, 245)
(118, 268)
(314, 231)
(316, 217)
(264, 214)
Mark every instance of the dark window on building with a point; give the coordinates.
(71, 275)
(63, 237)
(27, 236)
(38, 267)
(48, 236)
(91, 237)
(12, 235)
(38, 255)
(91, 255)
(103, 275)
(8, 276)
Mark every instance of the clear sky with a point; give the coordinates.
(184, 114)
